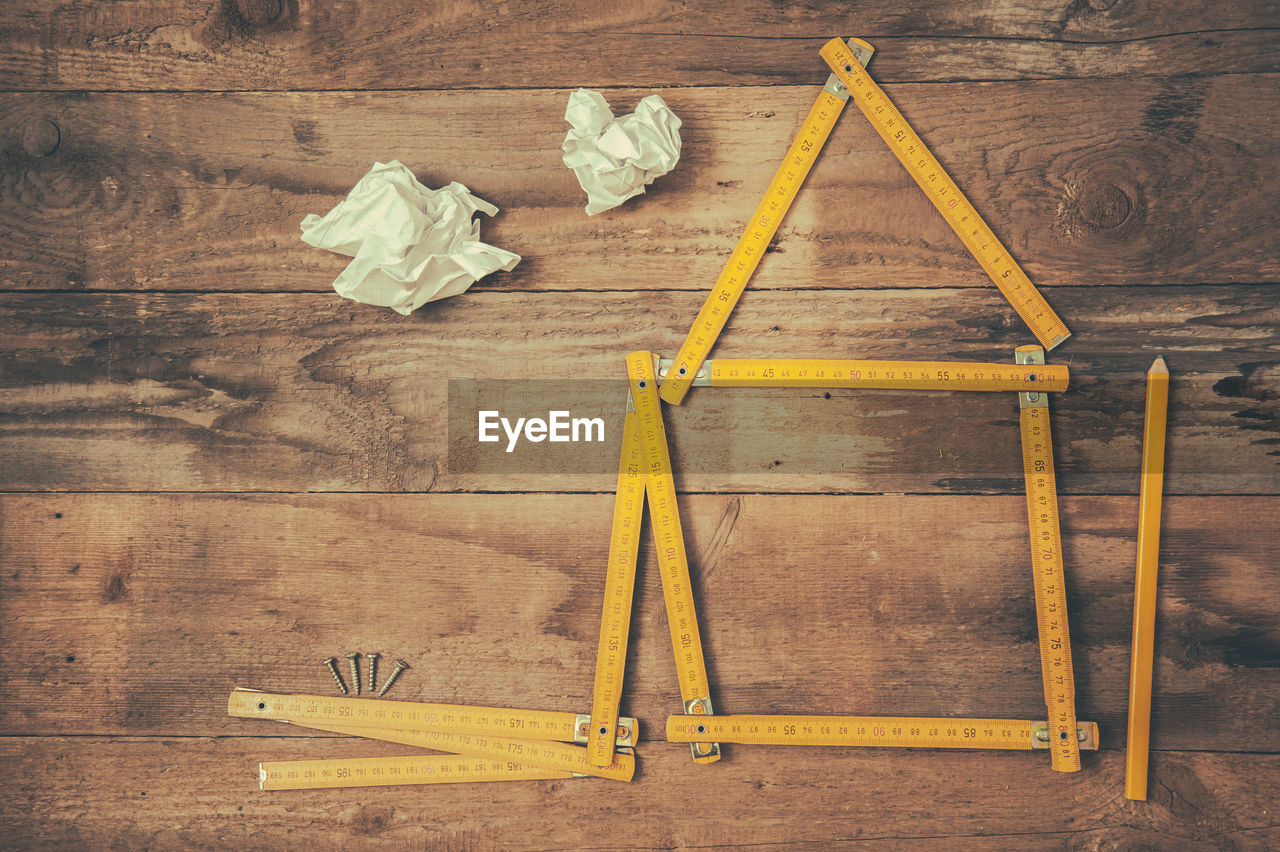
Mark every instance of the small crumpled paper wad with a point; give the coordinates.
(615, 159)
(410, 245)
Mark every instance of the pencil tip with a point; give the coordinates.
(1159, 366)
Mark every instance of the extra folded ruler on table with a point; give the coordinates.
(849, 77)
(500, 743)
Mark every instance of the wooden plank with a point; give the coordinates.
(202, 793)
(180, 392)
(1116, 181)
(138, 613)
(283, 44)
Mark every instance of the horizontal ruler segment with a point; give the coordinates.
(559, 756)
(883, 375)
(872, 731)
(386, 771)
(413, 715)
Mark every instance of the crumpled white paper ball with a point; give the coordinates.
(411, 245)
(615, 159)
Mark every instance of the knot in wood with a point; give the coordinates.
(259, 13)
(40, 137)
(1104, 206)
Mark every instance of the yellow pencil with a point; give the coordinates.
(1144, 596)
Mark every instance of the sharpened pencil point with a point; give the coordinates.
(1159, 366)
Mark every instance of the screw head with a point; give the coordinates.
(330, 661)
(401, 664)
(351, 655)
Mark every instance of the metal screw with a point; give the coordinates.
(401, 665)
(371, 674)
(354, 658)
(332, 664)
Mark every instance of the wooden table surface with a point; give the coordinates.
(215, 471)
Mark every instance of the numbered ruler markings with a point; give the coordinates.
(1047, 570)
(542, 754)
(871, 731)
(386, 771)
(886, 375)
(686, 641)
(755, 239)
(620, 581)
(946, 196)
(412, 715)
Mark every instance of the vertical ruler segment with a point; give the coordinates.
(946, 195)
(1047, 571)
(755, 239)
(695, 689)
(620, 581)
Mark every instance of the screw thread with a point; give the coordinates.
(372, 674)
(401, 665)
(354, 659)
(332, 665)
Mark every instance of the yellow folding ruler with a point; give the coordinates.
(764, 224)
(505, 744)
(883, 375)
(960, 214)
(1061, 734)
(1047, 569)
(645, 469)
(384, 771)
(620, 582)
(873, 731)
(848, 63)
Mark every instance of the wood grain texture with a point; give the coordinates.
(202, 793)
(163, 329)
(299, 44)
(180, 392)
(1116, 181)
(139, 613)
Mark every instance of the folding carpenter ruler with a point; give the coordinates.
(502, 744)
(883, 375)
(1061, 734)
(849, 76)
(882, 731)
(960, 214)
(760, 230)
(1047, 569)
(620, 582)
(384, 771)
(645, 469)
